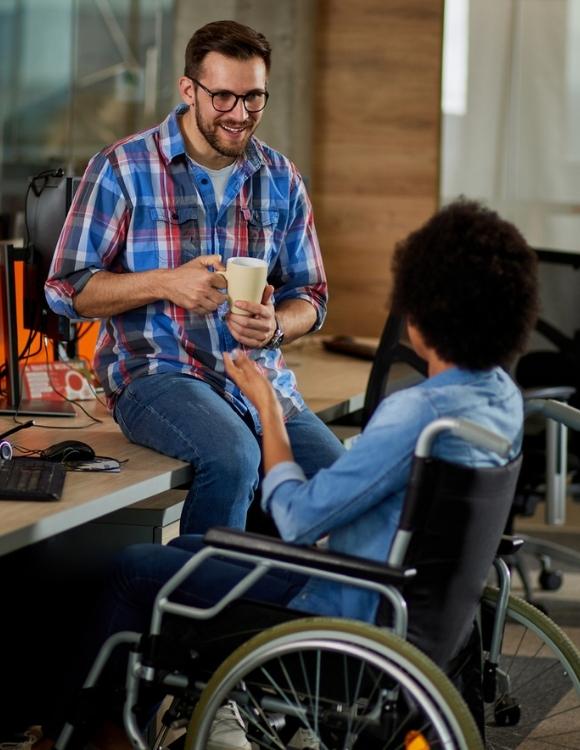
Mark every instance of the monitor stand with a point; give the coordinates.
(36, 407)
(13, 403)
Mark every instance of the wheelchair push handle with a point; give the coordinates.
(461, 428)
(555, 410)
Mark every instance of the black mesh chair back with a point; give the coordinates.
(389, 351)
(456, 516)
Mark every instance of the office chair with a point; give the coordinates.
(554, 368)
(391, 350)
(349, 683)
(558, 371)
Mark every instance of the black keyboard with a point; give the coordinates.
(31, 479)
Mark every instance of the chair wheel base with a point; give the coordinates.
(550, 580)
(507, 712)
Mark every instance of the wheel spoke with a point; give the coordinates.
(306, 681)
(369, 701)
(295, 694)
(304, 717)
(268, 730)
(352, 704)
(317, 693)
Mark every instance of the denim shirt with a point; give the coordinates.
(357, 501)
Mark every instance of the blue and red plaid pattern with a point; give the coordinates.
(141, 205)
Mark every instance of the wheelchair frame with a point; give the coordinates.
(380, 578)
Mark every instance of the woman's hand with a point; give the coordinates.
(247, 376)
(275, 441)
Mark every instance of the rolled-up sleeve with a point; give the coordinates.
(93, 234)
(375, 470)
(287, 471)
(300, 271)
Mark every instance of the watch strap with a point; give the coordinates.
(277, 337)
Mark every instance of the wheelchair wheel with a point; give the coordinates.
(537, 695)
(344, 683)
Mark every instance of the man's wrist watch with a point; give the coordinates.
(277, 337)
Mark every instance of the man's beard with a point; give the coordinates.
(211, 135)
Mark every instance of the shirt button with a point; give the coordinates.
(174, 216)
(204, 180)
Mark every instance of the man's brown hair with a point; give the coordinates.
(228, 38)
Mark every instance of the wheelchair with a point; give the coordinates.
(416, 680)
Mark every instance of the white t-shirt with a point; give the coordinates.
(219, 179)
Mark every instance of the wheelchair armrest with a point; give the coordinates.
(509, 545)
(557, 392)
(555, 410)
(275, 549)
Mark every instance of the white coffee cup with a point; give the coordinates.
(247, 278)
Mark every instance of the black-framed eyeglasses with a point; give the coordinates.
(225, 101)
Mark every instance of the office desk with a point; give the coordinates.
(332, 385)
(86, 496)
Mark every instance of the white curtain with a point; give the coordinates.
(515, 144)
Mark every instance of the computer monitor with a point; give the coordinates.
(47, 203)
(48, 200)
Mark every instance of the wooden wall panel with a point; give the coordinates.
(376, 144)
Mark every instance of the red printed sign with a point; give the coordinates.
(54, 380)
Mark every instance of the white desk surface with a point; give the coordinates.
(332, 385)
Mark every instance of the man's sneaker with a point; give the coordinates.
(228, 731)
(304, 739)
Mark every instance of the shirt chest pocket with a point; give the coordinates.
(261, 225)
(177, 237)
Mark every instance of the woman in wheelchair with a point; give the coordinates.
(466, 282)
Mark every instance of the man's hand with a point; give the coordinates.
(247, 376)
(194, 287)
(256, 329)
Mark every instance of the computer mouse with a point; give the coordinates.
(68, 450)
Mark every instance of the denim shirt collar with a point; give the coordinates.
(456, 376)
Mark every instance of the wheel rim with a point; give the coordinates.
(297, 684)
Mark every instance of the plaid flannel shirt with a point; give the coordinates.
(142, 204)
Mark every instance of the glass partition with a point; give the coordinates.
(74, 76)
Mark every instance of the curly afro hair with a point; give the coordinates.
(467, 280)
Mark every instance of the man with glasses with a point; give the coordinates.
(154, 217)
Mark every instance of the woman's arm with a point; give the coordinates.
(275, 441)
(375, 468)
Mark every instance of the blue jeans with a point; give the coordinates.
(185, 418)
(127, 604)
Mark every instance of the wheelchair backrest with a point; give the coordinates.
(459, 516)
